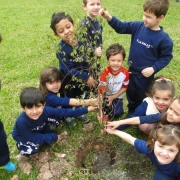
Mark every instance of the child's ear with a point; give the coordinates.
(23, 108)
(56, 35)
(84, 6)
(160, 18)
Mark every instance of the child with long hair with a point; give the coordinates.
(162, 148)
(50, 85)
(172, 116)
(158, 100)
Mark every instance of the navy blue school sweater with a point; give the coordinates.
(34, 131)
(72, 61)
(53, 100)
(93, 32)
(148, 48)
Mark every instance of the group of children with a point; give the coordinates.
(79, 76)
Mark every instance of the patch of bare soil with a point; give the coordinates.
(48, 169)
(105, 161)
(95, 155)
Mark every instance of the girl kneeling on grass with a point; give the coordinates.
(158, 100)
(50, 85)
(162, 148)
(172, 116)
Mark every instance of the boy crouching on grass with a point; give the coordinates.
(32, 128)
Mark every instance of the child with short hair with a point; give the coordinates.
(92, 34)
(32, 128)
(114, 81)
(50, 84)
(162, 148)
(150, 51)
(72, 57)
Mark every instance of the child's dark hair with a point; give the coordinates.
(166, 135)
(158, 7)
(114, 49)
(49, 74)
(31, 96)
(57, 17)
(161, 83)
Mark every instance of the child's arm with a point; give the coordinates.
(115, 124)
(68, 65)
(136, 120)
(70, 112)
(105, 14)
(83, 102)
(123, 135)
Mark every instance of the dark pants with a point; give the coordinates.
(159, 175)
(115, 110)
(138, 85)
(4, 150)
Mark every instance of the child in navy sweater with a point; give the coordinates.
(72, 55)
(150, 50)
(50, 85)
(162, 148)
(32, 128)
(92, 34)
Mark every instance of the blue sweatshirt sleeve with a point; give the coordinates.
(123, 27)
(140, 110)
(71, 66)
(164, 53)
(68, 112)
(26, 130)
(149, 119)
(54, 101)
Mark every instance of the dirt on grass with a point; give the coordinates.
(99, 157)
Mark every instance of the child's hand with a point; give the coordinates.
(147, 72)
(93, 102)
(91, 82)
(59, 138)
(98, 51)
(109, 100)
(110, 130)
(113, 124)
(105, 14)
(91, 108)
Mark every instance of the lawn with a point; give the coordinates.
(29, 45)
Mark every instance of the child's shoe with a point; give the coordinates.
(83, 118)
(10, 166)
(70, 122)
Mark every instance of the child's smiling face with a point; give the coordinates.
(65, 30)
(162, 99)
(92, 7)
(115, 62)
(173, 112)
(165, 154)
(35, 111)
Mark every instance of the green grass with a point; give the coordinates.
(29, 45)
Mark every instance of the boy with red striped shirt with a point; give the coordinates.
(114, 82)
